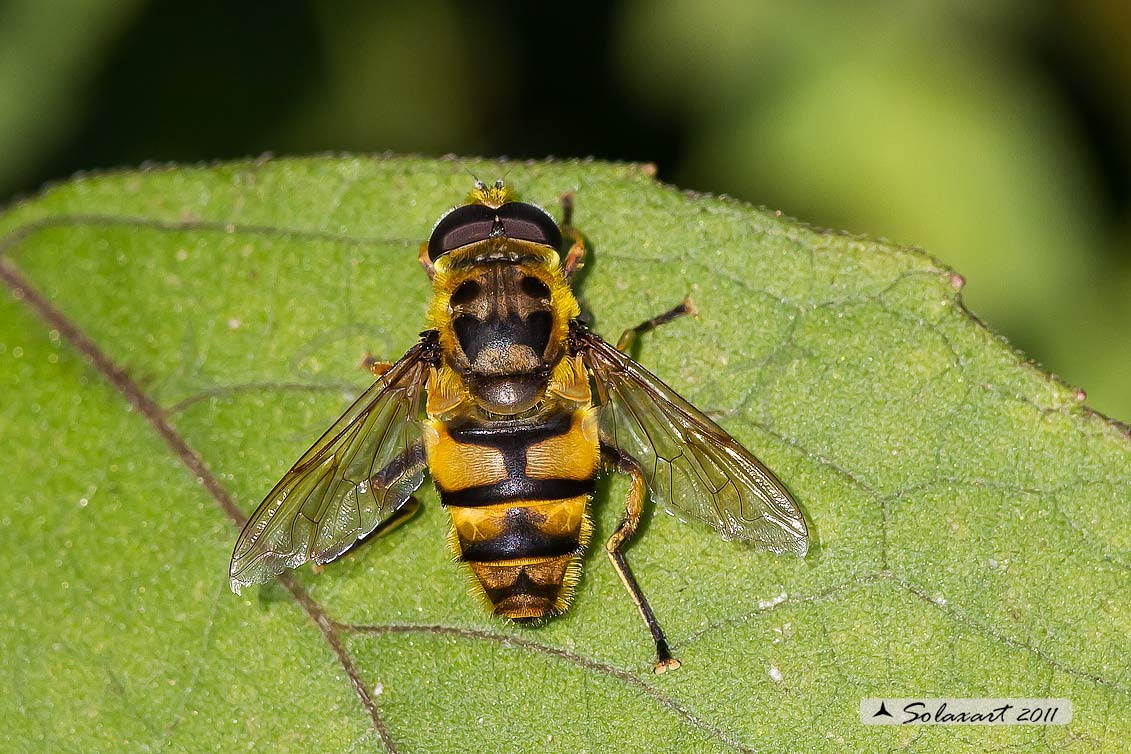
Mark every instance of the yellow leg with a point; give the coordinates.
(426, 261)
(374, 365)
(634, 506)
(576, 253)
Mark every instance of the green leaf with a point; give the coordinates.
(172, 339)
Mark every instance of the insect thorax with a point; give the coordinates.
(502, 308)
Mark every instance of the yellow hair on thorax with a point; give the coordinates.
(446, 393)
(540, 261)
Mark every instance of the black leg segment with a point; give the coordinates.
(629, 336)
(634, 505)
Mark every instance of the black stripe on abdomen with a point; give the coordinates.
(517, 488)
(521, 538)
(511, 439)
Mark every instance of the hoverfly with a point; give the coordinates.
(495, 401)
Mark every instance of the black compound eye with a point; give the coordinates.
(534, 287)
(461, 226)
(529, 223)
(477, 222)
(466, 293)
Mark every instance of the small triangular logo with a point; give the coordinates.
(882, 711)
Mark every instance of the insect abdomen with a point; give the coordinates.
(518, 494)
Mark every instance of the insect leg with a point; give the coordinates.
(375, 365)
(426, 261)
(412, 460)
(404, 465)
(408, 509)
(577, 242)
(629, 336)
(626, 464)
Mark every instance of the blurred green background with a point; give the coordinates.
(995, 135)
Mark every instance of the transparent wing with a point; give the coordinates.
(358, 473)
(693, 468)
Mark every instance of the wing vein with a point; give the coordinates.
(693, 467)
(317, 510)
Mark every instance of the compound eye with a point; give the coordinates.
(477, 222)
(461, 226)
(526, 222)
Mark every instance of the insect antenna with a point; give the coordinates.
(503, 181)
(456, 159)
